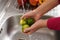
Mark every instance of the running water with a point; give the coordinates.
(24, 12)
(23, 6)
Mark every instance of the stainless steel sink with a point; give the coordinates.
(12, 29)
(34, 36)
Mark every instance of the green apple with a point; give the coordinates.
(24, 27)
(30, 21)
(26, 23)
(22, 22)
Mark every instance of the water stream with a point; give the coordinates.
(23, 6)
(24, 12)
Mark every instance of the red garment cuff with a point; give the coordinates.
(59, 1)
(54, 23)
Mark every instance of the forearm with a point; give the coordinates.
(46, 6)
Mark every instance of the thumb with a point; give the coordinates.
(32, 29)
(27, 30)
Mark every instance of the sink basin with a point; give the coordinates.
(34, 36)
(12, 28)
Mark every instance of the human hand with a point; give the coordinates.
(31, 14)
(37, 25)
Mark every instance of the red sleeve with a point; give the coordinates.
(54, 23)
(59, 1)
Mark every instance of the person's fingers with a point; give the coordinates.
(28, 14)
(25, 16)
(31, 29)
(27, 30)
